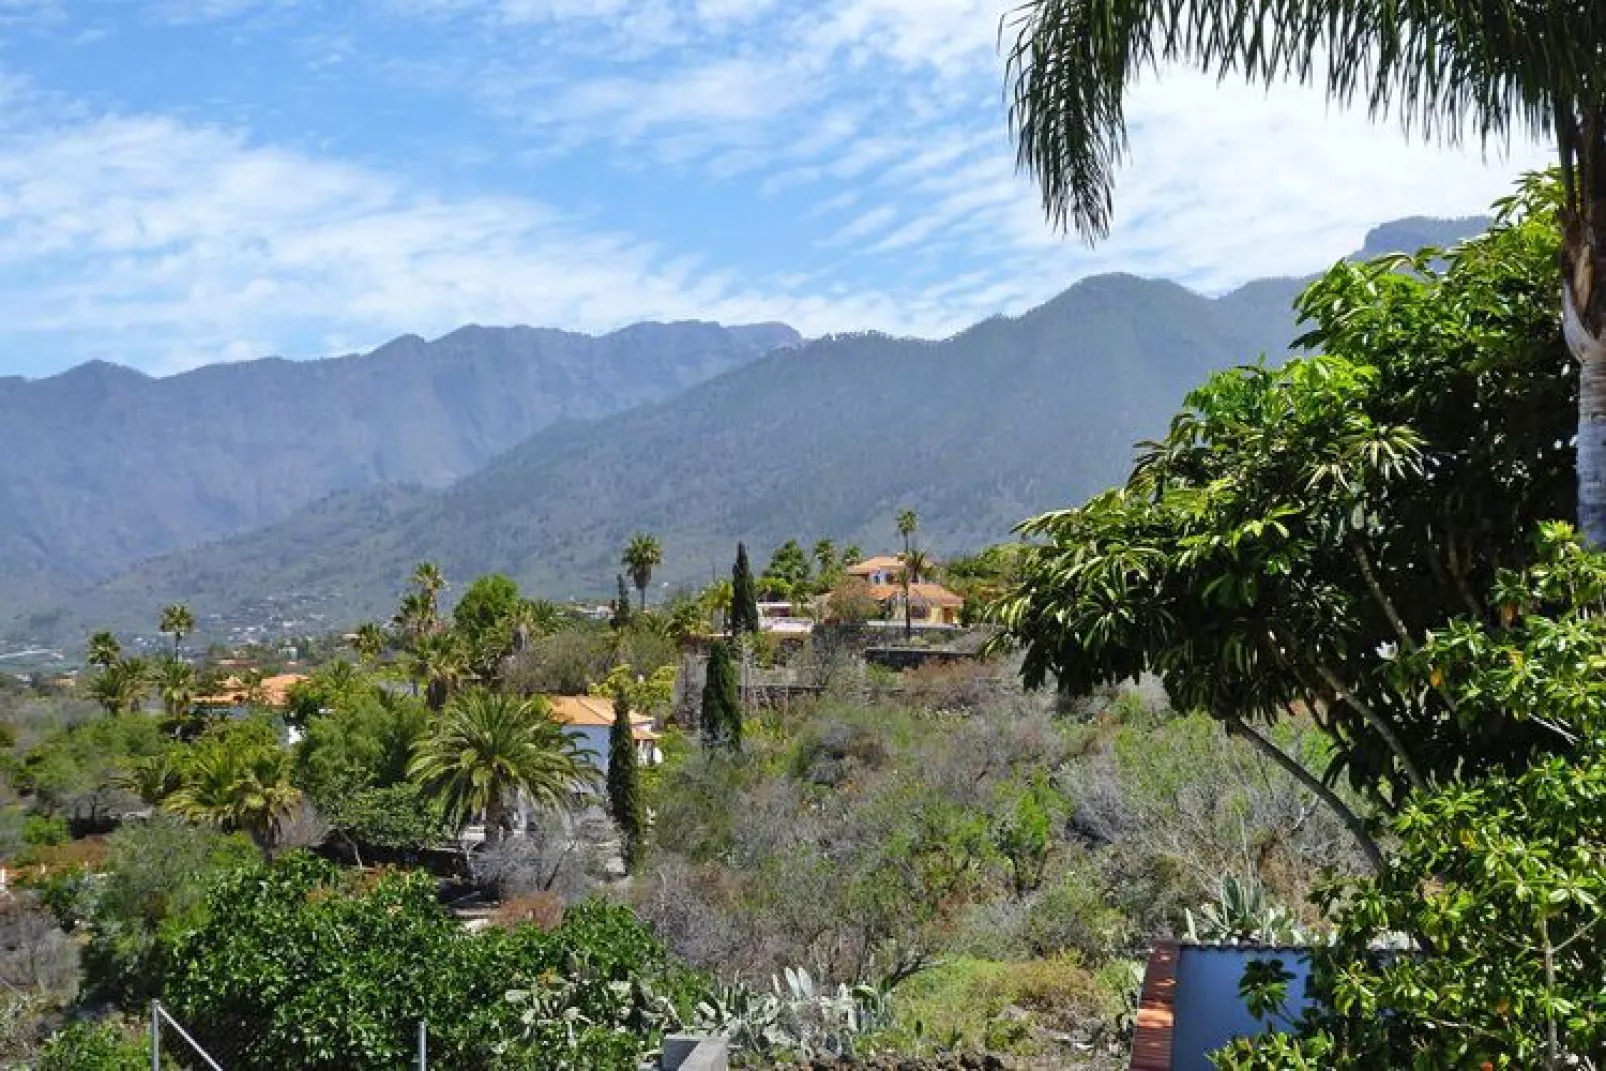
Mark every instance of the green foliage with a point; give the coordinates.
(1296, 524)
(1498, 879)
(744, 596)
(484, 619)
(641, 556)
(95, 1046)
(294, 967)
(76, 771)
(236, 777)
(1023, 834)
(787, 574)
(364, 740)
(721, 719)
(41, 831)
(624, 779)
(153, 884)
(400, 819)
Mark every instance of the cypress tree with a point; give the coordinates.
(722, 704)
(621, 604)
(744, 596)
(624, 780)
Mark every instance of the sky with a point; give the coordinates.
(191, 181)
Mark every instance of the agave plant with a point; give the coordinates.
(1243, 912)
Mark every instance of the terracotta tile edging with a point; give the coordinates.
(1151, 1041)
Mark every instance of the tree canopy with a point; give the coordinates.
(1299, 526)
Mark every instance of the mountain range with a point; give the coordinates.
(785, 439)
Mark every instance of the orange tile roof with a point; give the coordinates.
(275, 691)
(875, 565)
(588, 710)
(919, 594)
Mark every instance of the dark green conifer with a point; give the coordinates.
(624, 780)
(722, 704)
(621, 605)
(744, 595)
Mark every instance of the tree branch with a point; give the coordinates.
(1313, 785)
(1378, 723)
(1387, 604)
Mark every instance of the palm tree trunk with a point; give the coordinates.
(1583, 144)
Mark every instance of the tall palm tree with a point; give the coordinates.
(825, 556)
(369, 641)
(104, 650)
(491, 748)
(438, 663)
(237, 788)
(179, 622)
(430, 581)
(415, 616)
(1445, 68)
(175, 687)
(919, 566)
(908, 524)
(642, 555)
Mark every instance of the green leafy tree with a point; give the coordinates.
(429, 581)
(490, 749)
(485, 619)
(744, 596)
(787, 574)
(1298, 526)
(642, 555)
(1445, 69)
(365, 740)
(624, 779)
(297, 965)
(154, 879)
(825, 557)
(722, 705)
(178, 622)
(104, 650)
(1498, 880)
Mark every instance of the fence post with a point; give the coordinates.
(423, 1045)
(156, 1038)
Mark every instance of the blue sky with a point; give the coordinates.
(189, 181)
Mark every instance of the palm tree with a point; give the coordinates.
(908, 524)
(491, 748)
(428, 578)
(919, 566)
(152, 778)
(177, 620)
(642, 555)
(1446, 68)
(415, 616)
(243, 788)
(121, 686)
(369, 641)
(438, 662)
(175, 686)
(825, 556)
(104, 650)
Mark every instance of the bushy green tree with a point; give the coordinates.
(237, 777)
(1297, 525)
(293, 965)
(722, 704)
(787, 574)
(744, 596)
(1498, 880)
(484, 619)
